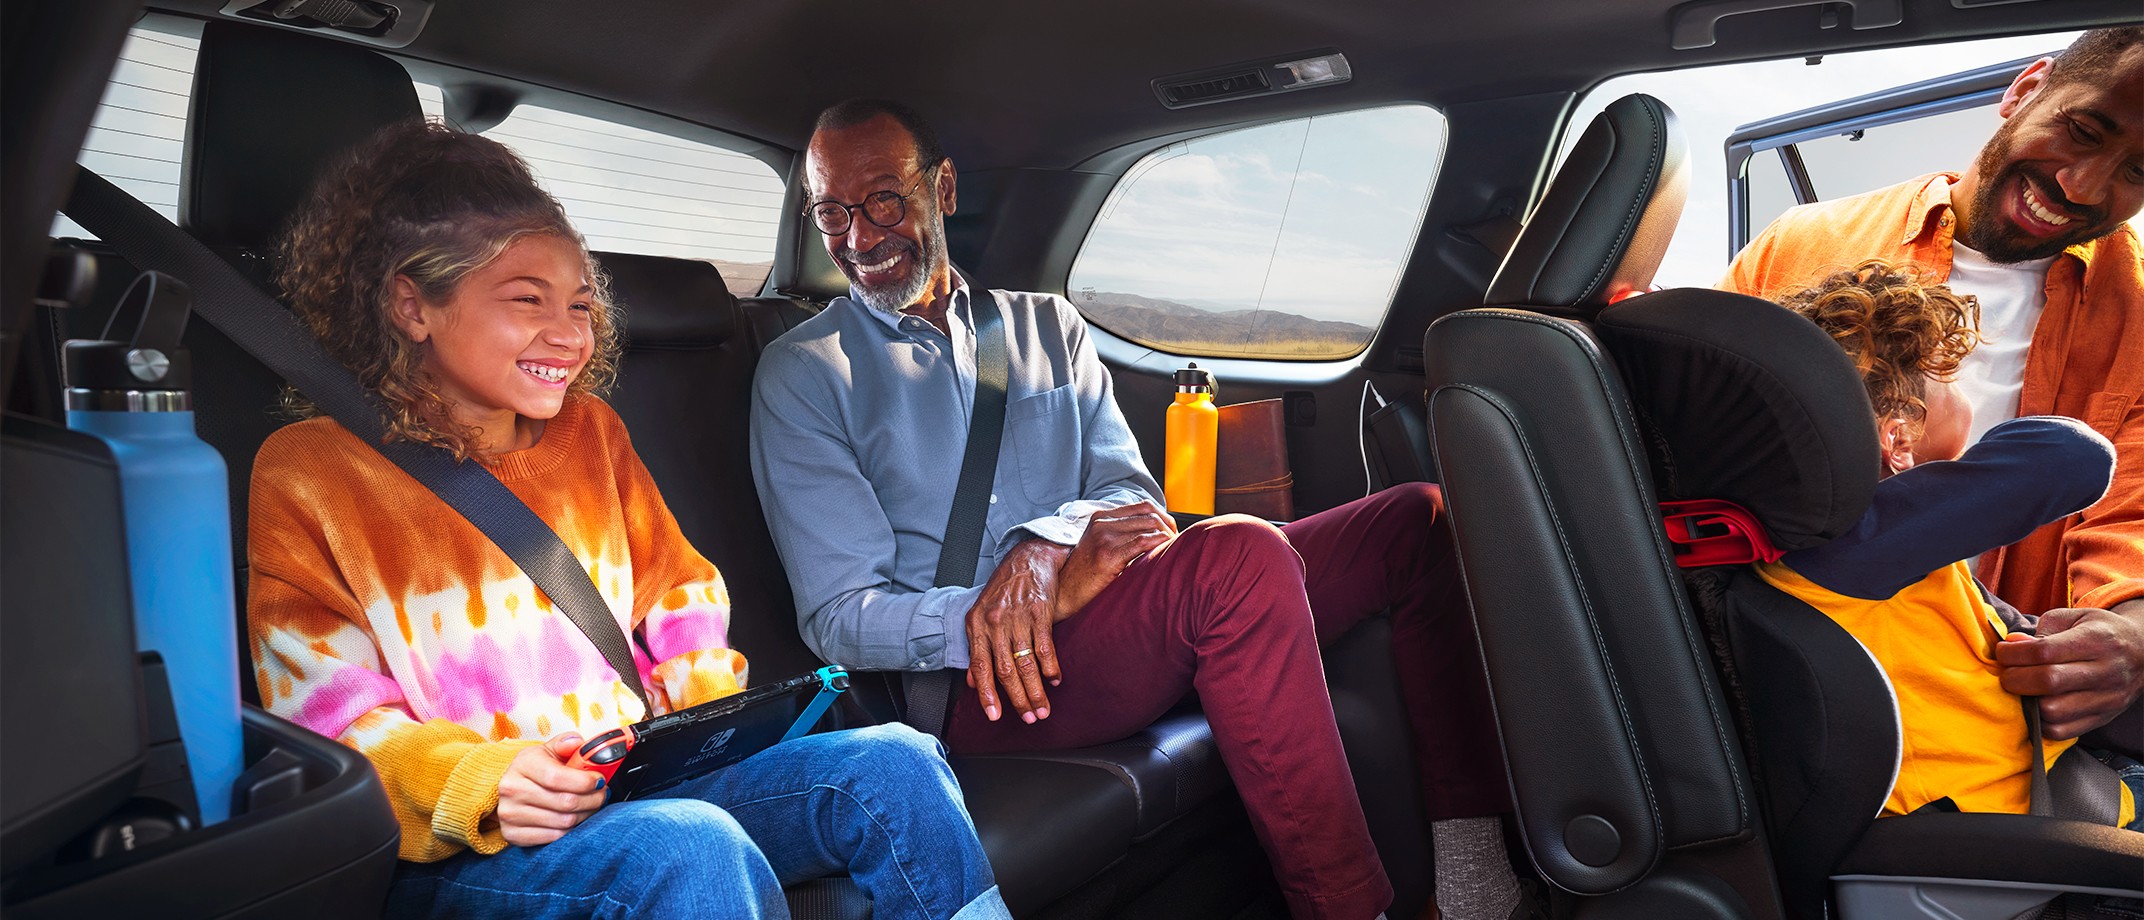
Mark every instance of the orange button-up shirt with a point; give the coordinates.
(2086, 361)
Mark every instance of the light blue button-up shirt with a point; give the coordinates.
(859, 424)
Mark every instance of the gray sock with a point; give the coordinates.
(1474, 879)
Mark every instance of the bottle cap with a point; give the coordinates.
(140, 352)
(1193, 379)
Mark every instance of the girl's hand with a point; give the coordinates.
(540, 798)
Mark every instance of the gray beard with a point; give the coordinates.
(892, 301)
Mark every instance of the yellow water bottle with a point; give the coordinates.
(1193, 426)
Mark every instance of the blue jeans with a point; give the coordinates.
(878, 803)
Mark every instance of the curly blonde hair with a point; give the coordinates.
(424, 201)
(1899, 327)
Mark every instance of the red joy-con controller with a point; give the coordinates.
(604, 753)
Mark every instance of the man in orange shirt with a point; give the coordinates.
(2036, 231)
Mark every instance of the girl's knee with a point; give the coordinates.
(686, 857)
(893, 755)
(673, 828)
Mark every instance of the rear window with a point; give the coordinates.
(1282, 241)
(626, 188)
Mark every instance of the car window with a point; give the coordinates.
(627, 189)
(1711, 102)
(1278, 241)
(135, 135)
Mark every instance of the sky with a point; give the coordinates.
(1314, 217)
(1307, 217)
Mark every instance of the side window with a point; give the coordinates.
(1282, 241)
(1712, 102)
(140, 124)
(627, 189)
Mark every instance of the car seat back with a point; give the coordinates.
(1743, 401)
(1629, 780)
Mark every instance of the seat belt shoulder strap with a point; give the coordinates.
(930, 693)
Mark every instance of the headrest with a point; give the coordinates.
(812, 273)
(270, 109)
(1743, 400)
(1604, 223)
(670, 303)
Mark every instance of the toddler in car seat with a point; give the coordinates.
(1901, 580)
(431, 264)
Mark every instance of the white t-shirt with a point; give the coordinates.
(2011, 299)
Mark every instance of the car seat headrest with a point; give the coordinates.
(1743, 400)
(270, 109)
(1601, 228)
(670, 303)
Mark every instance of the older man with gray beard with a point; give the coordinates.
(1094, 616)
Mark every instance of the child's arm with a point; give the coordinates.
(2023, 473)
(321, 670)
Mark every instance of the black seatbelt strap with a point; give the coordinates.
(242, 311)
(930, 694)
(2077, 787)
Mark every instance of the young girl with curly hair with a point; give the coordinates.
(432, 265)
(1901, 580)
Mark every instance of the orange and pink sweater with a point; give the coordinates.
(382, 618)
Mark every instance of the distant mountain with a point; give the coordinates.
(1174, 326)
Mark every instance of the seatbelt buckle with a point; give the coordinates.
(1710, 531)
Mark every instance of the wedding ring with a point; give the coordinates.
(1023, 653)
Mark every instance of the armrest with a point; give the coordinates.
(2007, 848)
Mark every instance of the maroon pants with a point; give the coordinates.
(1235, 608)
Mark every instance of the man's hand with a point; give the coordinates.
(1009, 631)
(1113, 539)
(540, 798)
(2086, 666)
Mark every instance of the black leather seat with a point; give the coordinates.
(1630, 785)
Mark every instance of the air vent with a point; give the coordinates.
(1244, 83)
(1255, 78)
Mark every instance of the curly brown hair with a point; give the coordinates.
(424, 201)
(1899, 327)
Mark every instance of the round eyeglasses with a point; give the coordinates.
(883, 209)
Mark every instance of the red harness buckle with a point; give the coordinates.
(1709, 531)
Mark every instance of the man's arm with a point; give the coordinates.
(2086, 663)
(834, 538)
(2105, 548)
(1112, 474)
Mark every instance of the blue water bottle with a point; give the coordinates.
(134, 394)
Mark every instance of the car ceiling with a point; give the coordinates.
(1051, 83)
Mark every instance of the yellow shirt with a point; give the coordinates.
(1964, 735)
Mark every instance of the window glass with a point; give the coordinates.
(627, 189)
(633, 190)
(140, 124)
(1770, 195)
(1711, 102)
(1849, 164)
(1280, 241)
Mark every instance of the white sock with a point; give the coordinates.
(1474, 878)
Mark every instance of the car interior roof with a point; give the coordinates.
(1049, 85)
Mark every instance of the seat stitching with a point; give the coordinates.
(1563, 544)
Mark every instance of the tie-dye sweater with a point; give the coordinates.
(383, 619)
